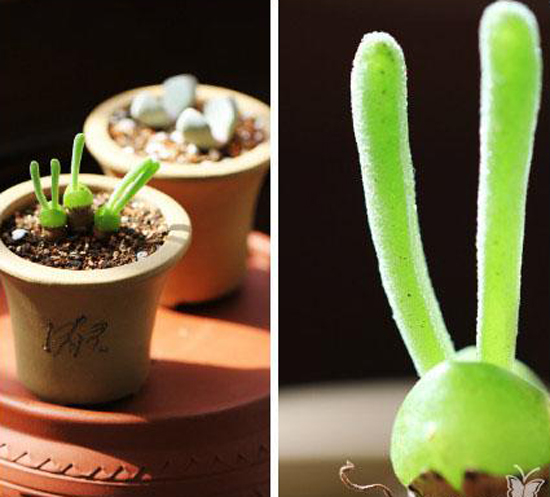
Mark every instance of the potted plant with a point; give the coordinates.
(213, 147)
(471, 425)
(83, 279)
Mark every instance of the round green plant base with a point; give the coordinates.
(78, 198)
(470, 416)
(469, 354)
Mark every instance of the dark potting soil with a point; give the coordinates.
(168, 145)
(142, 232)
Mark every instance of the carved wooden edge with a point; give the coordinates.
(476, 484)
(205, 464)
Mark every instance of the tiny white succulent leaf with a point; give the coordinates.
(148, 109)
(196, 130)
(221, 114)
(179, 94)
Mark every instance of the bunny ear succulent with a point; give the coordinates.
(461, 416)
(53, 217)
(78, 198)
(107, 218)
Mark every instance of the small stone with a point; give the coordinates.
(177, 137)
(214, 155)
(148, 109)
(222, 115)
(19, 234)
(141, 255)
(195, 129)
(125, 126)
(179, 94)
(160, 136)
(192, 149)
(153, 148)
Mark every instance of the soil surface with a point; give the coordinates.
(169, 145)
(142, 232)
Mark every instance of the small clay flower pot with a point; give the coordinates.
(220, 197)
(83, 337)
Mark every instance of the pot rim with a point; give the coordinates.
(109, 153)
(175, 245)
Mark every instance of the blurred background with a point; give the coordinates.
(343, 367)
(60, 59)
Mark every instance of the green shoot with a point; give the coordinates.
(77, 195)
(511, 71)
(52, 216)
(379, 109)
(107, 217)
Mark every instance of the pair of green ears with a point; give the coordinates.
(78, 196)
(511, 73)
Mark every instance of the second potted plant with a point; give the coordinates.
(213, 147)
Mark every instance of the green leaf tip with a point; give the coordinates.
(107, 217)
(511, 79)
(52, 215)
(379, 110)
(77, 195)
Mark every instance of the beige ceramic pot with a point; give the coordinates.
(83, 337)
(219, 196)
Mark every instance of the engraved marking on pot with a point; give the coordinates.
(75, 337)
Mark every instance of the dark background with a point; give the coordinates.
(61, 58)
(335, 322)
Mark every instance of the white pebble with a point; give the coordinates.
(125, 126)
(192, 149)
(18, 234)
(141, 255)
(176, 136)
(160, 136)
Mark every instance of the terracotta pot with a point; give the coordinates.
(83, 337)
(219, 196)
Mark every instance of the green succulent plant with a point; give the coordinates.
(78, 198)
(484, 414)
(107, 218)
(53, 217)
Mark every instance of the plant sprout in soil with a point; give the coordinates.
(53, 217)
(77, 214)
(78, 198)
(477, 412)
(107, 218)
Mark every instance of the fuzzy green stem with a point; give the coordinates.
(78, 198)
(511, 73)
(55, 171)
(52, 216)
(38, 191)
(78, 148)
(126, 181)
(379, 108)
(139, 182)
(107, 218)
